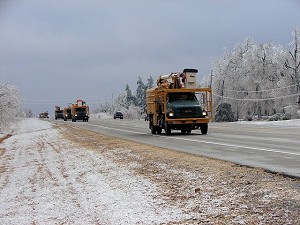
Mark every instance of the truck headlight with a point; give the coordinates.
(171, 114)
(204, 113)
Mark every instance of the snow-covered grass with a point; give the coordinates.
(47, 180)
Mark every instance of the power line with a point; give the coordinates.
(63, 100)
(254, 100)
(266, 90)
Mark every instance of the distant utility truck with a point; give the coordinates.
(58, 113)
(177, 104)
(67, 113)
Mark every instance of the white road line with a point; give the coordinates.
(201, 141)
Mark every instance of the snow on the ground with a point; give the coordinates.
(281, 123)
(100, 116)
(47, 180)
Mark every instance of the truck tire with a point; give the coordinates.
(158, 130)
(167, 129)
(204, 128)
(152, 128)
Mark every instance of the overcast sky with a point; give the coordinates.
(56, 51)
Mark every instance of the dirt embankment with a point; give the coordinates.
(213, 191)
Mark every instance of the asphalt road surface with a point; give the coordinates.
(273, 148)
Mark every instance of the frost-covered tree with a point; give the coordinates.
(141, 93)
(10, 103)
(224, 113)
(130, 98)
(248, 77)
(27, 113)
(149, 82)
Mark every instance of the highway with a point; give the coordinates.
(273, 148)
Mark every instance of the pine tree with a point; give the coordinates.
(130, 98)
(141, 93)
(150, 83)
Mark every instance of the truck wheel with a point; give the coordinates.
(158, 130)
(153, 129)
(167, 129)
(204, 128)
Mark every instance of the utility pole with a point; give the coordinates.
(211, 75)
(222, 91)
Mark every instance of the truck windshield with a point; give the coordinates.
(181, 97)
(80, 109)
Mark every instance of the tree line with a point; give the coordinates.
(251, 80)
(131, 103)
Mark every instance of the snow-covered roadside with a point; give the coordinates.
(281, 123)
(47, 180)
(100, 116)
(60, 174)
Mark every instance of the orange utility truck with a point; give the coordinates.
(177, 104)
(67, 113)
(80, 111)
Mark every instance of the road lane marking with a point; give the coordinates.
(201, 141)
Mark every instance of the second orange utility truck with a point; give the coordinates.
(177, 104)
(67, 112)
(58, 113)
(80, 111)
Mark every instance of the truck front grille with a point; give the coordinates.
(188, 112)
